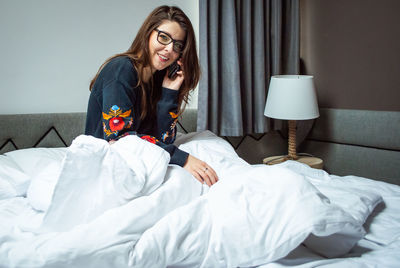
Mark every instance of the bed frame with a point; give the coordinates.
(351, 142)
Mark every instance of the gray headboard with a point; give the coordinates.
(357, 142)
(351, 142)
(19, 131)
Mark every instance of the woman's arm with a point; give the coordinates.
(167, 126)
(118, 114)
(167, 106)
(167, 115)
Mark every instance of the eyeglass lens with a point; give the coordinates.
(165, 39)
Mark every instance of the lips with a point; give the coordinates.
(162, 58)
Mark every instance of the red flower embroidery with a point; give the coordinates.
(149, 139)
(117, 123)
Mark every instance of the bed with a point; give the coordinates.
(69, 200)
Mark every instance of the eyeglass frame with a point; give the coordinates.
(172, 40)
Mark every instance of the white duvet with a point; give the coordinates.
(122, 205)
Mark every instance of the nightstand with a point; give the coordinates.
(313, 162)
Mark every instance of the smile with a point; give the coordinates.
(163, 58)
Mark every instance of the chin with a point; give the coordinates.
(160, 65)
(160, 68)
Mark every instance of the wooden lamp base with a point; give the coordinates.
(313, 162)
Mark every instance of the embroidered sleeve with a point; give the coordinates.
(116, 121)
(167, 115)
(117, 113)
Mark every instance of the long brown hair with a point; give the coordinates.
(139, 53)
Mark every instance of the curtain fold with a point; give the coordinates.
(242, 44)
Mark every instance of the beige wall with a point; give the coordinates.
(352, 47)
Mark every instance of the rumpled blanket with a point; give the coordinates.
(122, 205)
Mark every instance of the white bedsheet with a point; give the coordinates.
(116, 207)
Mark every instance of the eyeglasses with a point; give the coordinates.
(165, 39)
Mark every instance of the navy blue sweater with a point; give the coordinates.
(115, 106)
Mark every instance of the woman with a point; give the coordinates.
(132, 94)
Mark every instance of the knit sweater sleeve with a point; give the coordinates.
(167, 115)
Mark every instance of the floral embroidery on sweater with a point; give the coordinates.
(116, 120)
(173, 115)
(170, 133)
(149, 139)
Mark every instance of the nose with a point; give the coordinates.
(169, 47)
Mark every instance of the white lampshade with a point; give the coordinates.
(292, 97)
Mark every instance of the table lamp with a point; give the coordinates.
(291, 97)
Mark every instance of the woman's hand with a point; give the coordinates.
(175, 83)
(201, 170)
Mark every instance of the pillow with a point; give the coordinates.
(13, 181)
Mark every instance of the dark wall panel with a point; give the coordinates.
(353, 50)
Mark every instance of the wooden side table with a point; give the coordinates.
(313, 162)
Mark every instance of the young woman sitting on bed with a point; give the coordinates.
(132, 94)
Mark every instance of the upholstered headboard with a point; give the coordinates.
(357, 142)
(351, 142)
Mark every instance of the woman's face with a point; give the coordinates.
(162, 55)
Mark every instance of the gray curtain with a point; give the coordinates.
(242, 44)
